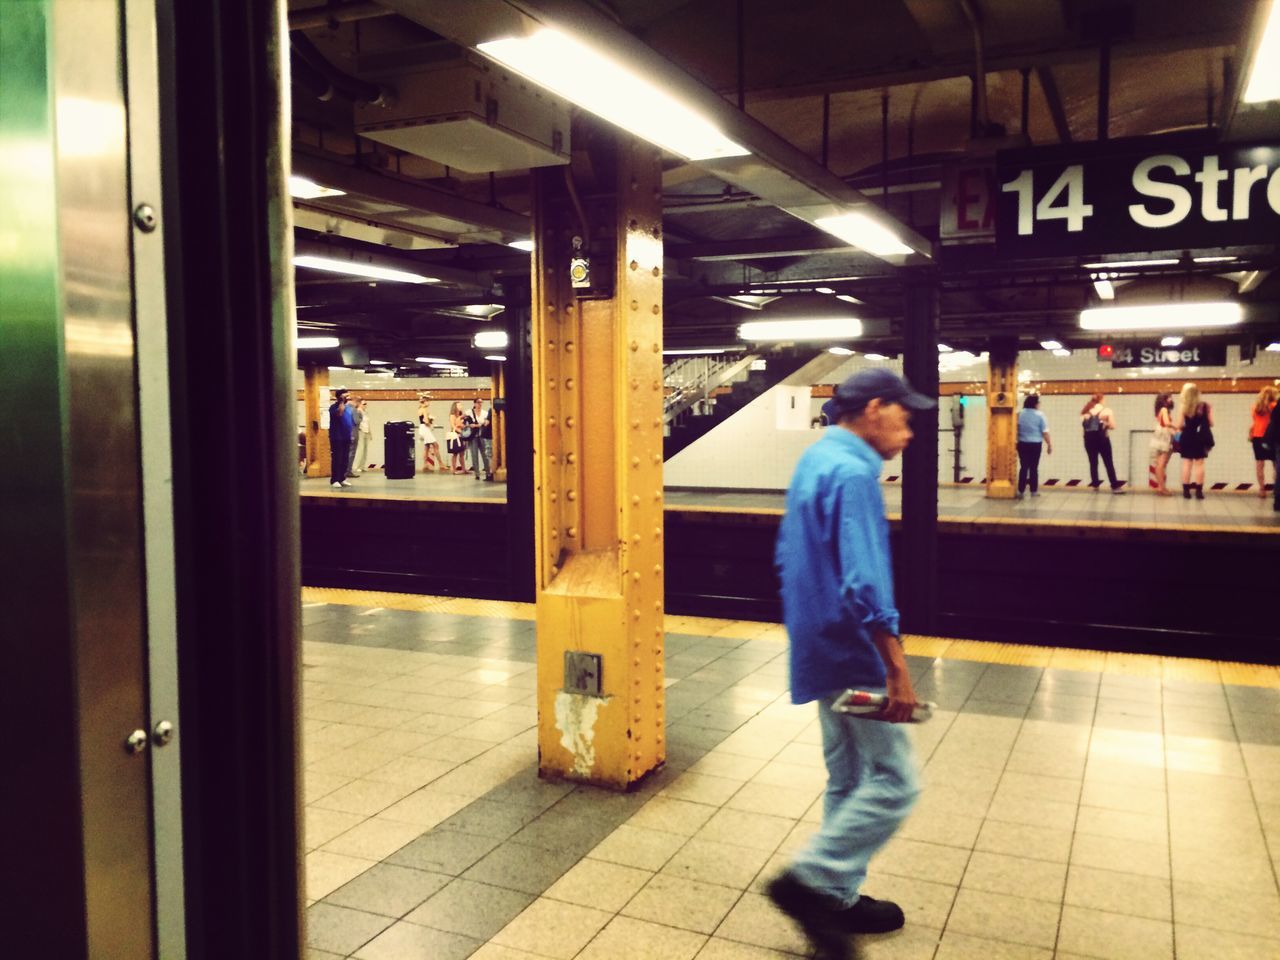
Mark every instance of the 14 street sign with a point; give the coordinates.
(1136, 195)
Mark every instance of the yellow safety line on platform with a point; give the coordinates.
(979, 651)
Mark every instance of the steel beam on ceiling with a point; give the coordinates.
(774, 169)
(1054, 102)
(446, 275)
(364, 183)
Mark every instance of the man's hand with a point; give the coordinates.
(902, 696)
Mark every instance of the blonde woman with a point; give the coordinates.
(1195, 425)
(430, 446)
(1262, 450)
(453, 439)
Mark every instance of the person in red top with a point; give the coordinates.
(1263, 452)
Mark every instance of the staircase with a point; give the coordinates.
(706, 411)
(692, 381)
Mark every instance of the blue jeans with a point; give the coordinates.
(872, 784)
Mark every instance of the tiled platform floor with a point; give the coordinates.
(1076, 804)
(1231, 511)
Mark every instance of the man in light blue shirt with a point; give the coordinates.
(842, 622)
(1033, 428)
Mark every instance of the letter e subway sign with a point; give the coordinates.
(1174, 192)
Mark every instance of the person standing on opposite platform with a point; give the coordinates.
(1162, 443)
(359, 438)
(339, 440)
(1032, 428)
(1195, 426)
(1273, 437)
(1098, 422)
(1263, 451)
(837, 601)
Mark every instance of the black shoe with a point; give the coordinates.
(869, 915)
(1186, 491)
(818, 916)
(1199, 491)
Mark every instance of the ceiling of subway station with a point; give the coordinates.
(869, 66)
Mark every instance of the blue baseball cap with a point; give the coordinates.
(872, 384)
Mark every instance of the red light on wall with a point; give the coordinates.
(1106, 351)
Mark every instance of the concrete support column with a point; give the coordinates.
(597, 412)
(919, 601)
(1002, 418)
(316, 401)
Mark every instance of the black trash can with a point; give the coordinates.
(397, 458)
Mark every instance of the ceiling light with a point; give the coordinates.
(846, 298)
(827, 290)
(1050, 344)
(1273, 347)
(446, 366)
(430, 360)
(875, 356)
(1264, 78)
(1104, 289)
(490, 340)
(379, 363)
(317, 343)
(1162, 316)
(841, 351)
(485, 311)
(609, 89)
(354, 268)
(1062, 353)
(525, 245)
(496, 358)
(943, 348)
(865, 233)
(305, 189)
(1126, 264)
(694, 352)
(747, 301)
(823, 328)
(1171, 341)
(1214, 259)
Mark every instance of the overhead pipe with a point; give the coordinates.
(353, 88)
(979, 69)
(331, 15)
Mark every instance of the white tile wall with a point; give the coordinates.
(742, 454)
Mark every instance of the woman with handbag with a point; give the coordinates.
(1195, 426)
(1162, 443)
(431, 461)
(453, 439)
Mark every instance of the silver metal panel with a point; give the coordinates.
(102, 456)
(149, 296)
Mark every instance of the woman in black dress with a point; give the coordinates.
(1195, 421)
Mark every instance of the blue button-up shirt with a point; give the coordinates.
(833, 561)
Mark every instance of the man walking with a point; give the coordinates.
(837, 600)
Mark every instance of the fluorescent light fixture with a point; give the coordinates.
(1214, 259)
(846, 298)
(431, 360)
(317, 343)
(1126, 264)
(447, 365)
(1104, 289)
(1162, 316)
(353, 268)
(305, 189)
(943, 348)
(875, 356)
(379, 363)
(525, 245)
(1170, 341)
(865, 233)
(609, 89)
(1050, 345)
(694, 352)
(824, 328)
(841, 351)
(490, 340)
(747, 301)
(1273, 347)
(484, 310)
(1062, 353)
(496, 358)
(827, 290)
(1264, 78)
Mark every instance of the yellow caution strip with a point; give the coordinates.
(979, 651)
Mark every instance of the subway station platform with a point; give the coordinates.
(1238, 512)
(1076, 804)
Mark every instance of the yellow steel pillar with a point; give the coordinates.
(498, 423)
(1002, 420)
(316, 402)
(597, 409)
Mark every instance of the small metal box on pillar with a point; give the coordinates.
(1002, 419)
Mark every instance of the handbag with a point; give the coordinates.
(1175, 442)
